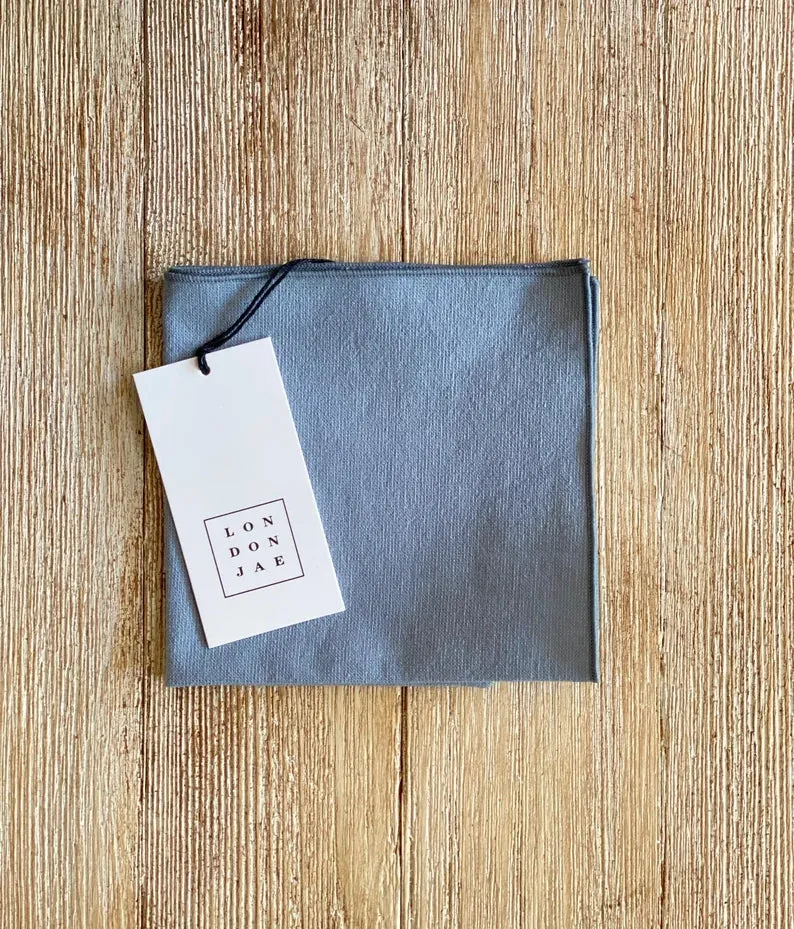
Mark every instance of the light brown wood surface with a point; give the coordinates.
(656, 139)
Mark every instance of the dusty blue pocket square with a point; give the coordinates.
(447, 418)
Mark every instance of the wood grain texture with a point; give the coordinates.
(655, 138)
(72, 464)
(541, 140)
(727, 529)
(273, 131)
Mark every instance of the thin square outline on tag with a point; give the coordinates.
(295, 577)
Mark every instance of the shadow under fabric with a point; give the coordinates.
(447, 418)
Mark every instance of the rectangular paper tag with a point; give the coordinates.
(239, 492)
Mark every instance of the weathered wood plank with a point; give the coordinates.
(727, 707)
(71, 458)
(534, 134)
(273, 131)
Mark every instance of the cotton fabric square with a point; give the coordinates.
(447, 418)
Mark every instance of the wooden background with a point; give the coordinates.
(655, 138)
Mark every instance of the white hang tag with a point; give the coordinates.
(239, 492)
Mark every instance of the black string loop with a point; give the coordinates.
(275, 277)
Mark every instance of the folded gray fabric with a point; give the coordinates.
(447, 418)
